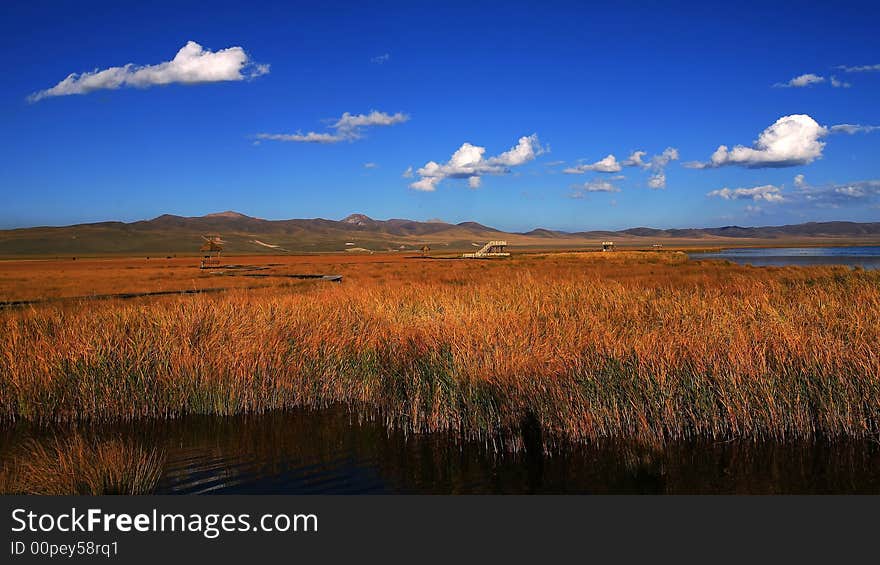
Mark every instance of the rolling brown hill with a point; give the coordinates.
(172, 235)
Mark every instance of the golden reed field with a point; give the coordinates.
(638, 345)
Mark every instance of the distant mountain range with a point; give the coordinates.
(168, 234)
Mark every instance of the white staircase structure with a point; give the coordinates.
(491, 249)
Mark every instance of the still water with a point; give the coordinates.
(867, 257)
(333, 451)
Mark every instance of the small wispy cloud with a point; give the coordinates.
(370, 165)
(193, 64)
(349, 127)
(608, 164)
(810, 79)
(381, 59)
(408, 173)
(595, 185)
(805, 195)
(834, 195)
(765, 193)
(636, 159)
(658, 167)
(801, 81)
(860, 68)
(852, 129)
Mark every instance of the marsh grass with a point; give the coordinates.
(74, 464)
(586, 346)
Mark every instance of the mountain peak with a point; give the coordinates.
(226, 214)
(358, 219)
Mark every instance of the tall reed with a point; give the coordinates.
(72, 464)
(642, 346)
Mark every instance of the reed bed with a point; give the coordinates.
(582, 346)
(72, 464)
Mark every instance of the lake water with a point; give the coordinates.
(867, 257)
(332, 451)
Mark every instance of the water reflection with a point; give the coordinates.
(332, 451)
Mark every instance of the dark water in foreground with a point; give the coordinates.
(330, 451)
(865, 256)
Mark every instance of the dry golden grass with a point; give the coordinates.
(635, 345)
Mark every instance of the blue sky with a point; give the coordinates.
(420, 80)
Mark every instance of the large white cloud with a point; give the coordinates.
(193, 64)
(766, 193)
(347, 128)
(791, 140)
(469, 162)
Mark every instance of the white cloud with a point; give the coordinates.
(860, 68)
(610, 164)
(658, 164)
(663, 159)
(801, 81)
(351, 123)
(370, 165)
(852, 128)
(607, 165)
(469, 162)
(347, 128)
(791, 140)
(836, 83)
(657, 181)
(408, 173)
(635, 159)
(310, 137)
(595, 185)
(381, 59)
(193, 64)
(835, 195)
(766, 193)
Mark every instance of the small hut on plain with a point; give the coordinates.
(213, 247)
